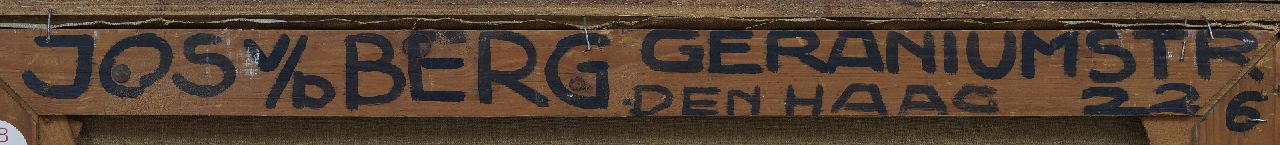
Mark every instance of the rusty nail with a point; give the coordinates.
(1182, 53)
(120, 73)
(48, 25)
(585, 35)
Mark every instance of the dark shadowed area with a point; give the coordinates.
(642, 130)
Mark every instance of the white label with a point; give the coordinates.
(10, 135)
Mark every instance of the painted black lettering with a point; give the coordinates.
(221, 61)
(1093, 41)
(692, 65)
(876, 105)
(300, 98)
(1065, 42)
(1255, 74)
(974, 52)
(925, 52)
(1160, 55)
(1234, 53)
(872, 60)
(804, 53)
(149, 40)
(1181, 105)
(637, 102)
(934, 104)
(269, 62)
(511, 79)
(752, 99)
(691, 106)
(718, 48)
(1118, 95)
(84, 67)
(415, 45)
(950, 62)
(980, 91)
(381, 65)
(600, 68)
(1236, 108)
(792, 101)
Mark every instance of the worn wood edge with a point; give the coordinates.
(36, 103)
(1168, 130)
(54, 128)
(1188, 130)
(36, 129)
(1221, 93)
(681, 8)
(1183, 130)
(16, 112)
(57, 130)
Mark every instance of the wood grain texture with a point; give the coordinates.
(1042, 10)
(1244, 112)
(57, 130)
(13, 111)
(1228, 118)
(35, 129)
(637, 130)
(1050, 92)
(1169, 130)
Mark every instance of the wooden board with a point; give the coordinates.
(1245, 112)
(1240, 114)
(628, 72)
(20, 123)
(523, 10)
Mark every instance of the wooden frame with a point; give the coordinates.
(1200, 83)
